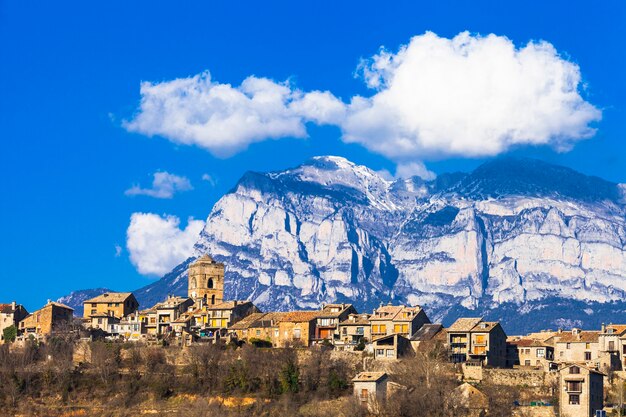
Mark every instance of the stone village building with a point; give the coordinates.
(370, 388)
(578, 346)
(11, 315)
(390, 319)
(114, 304)
(581, 391)
(533, 353)
(328, 319)
(478, 341)
(352, 330)
(46, 320)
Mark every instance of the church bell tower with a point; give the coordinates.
(206, 281)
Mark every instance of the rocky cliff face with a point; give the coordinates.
(501, 240)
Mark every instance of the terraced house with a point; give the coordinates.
(46, 320)
(402, 320)
(328, 319)
(217, 318)
(477, 341)
(113, 304)
(11, 315)
(578, 346)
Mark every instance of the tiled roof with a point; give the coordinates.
(369, 376)
(390, 312)
(110, 297)
(582, 337)
(247, 321)
(618, 329)
(464, 324)
(225, 305)
(255, 320)
(528, 343)
(326, 310)
(54, 303)
(542, 335)
(356, 320)
(171, 302)
(426, 332)
(6, 308)
(485, 326)
(299, 316)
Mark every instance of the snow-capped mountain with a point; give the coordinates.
(511, 239)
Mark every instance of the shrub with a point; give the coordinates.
(9, 334)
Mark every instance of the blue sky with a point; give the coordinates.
(71, 75)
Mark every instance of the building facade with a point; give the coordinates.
(475, 340)
(46, 320)
(402, 320)
(115, 304)
(206, 281)
(328, 319)
(578, 346)
(11, 315)
(370, 388)
(354, 329)
(581, 391)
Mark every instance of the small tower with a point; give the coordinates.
(206, 281)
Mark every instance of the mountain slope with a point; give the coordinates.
(500, 240)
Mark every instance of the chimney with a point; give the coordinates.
(603, 327)
(13, 305)
(235, 303)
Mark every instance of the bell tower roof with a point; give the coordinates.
(206, 258)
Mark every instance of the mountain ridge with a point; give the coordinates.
(513, 232)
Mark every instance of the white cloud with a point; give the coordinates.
(209, 178)
(411, 169)
(468, 96)
(164, 185)
(118, 250)
(157, 243)
(225, 119)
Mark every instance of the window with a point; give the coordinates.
(568, 345)
(541, 352)
(364, 394)
(276, 333)
(574, 370)
(380, 352)
(344, 331)
(192, 283)
(390, 353)
(359, 330)
(587, 345)
(527, 362)
(561, 353)
(574, 399)
(611, 345)
(258, 332)
(383, 328)
(296, 333)
(480, 339)
(587, 356)
(375, 328)
(210, 283)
